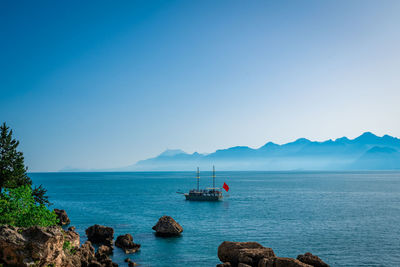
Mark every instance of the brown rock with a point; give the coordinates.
(167, 226)
(125, 242)
(46, 246)
(225, 264)
(132, 264)
(104, 250)
(312, 260)
(99, 234)
(281, 262)
(72, 237)
(243, 265)
(25, 246)
(85, 255)
(62, 217)
(248, 253)
(95, 264)
(103, 258)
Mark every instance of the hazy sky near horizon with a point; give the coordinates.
(102, 84)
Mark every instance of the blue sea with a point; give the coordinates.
(346, 218)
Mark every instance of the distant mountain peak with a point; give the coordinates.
(269, 145)
(171, 152)
(342, 139)
(367, 135)
(302, 141)
(389, 137)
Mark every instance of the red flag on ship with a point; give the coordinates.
(226, 187)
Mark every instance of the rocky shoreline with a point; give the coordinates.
(252, 254)
(52, 246)
(47, 246)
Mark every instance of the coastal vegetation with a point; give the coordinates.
(19, 208)
(21, 204)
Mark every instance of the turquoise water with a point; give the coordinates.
(347, 218)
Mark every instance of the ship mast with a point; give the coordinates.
(213, 177)
(198, 179)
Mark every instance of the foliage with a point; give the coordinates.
(19, 208)
(67, 247)
(12, 167)
(39, 195)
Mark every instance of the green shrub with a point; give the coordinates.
(67, 247)
(19, 208)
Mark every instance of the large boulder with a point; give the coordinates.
(281, 262)
(125, 242)
(167, 226)
(40, 245)
(62, 217)
(99, 234)
(46, 246)
(312, 260)
(249, 253)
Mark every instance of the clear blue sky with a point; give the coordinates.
(102, 84)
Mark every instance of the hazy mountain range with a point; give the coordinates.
(366, 152)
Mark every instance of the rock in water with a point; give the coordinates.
(62, 217)
(249, 253)
(100, 234)
(125, 242)
(167, 226)
(311, 259)
(281, 262)
(104, 250)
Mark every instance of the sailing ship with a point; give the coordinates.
(208, 194)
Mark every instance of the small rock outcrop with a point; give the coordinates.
(125, 242)
(252, 254)
(102, 256)
(130, 262)
(281, 262)
(46, 246)
(99, 234)
(167, 226)
(249, 253)
(85, 255)
(311, 259)
(62, 217)
(104, 250)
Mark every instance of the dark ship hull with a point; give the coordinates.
(203, 197)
